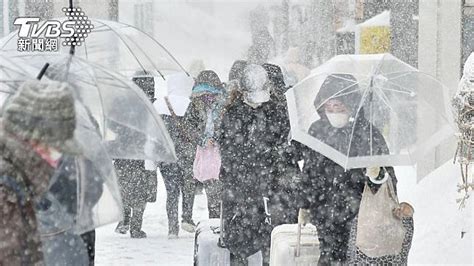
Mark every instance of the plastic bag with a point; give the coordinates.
(207, 163)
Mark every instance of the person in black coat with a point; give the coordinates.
(331, 193)
(248, 150)
(283, 202)
(178, 176)
(137, 184)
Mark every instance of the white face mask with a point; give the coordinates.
(338, 120)
(253, 105)
(257, 97)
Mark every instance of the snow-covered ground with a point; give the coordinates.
(437, 239)
(156, 249)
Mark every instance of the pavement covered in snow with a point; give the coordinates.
(437, 238)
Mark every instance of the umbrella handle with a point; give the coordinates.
(42, 72)
(298, 241)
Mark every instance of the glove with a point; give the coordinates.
(303, 216)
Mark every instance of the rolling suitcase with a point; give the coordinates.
(294, 244)
(208, 248)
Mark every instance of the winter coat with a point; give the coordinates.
(137, 185)
(19, 237)
(182, 132)
(284, 187)
(332, 194)
(249, 141)
(61, 244)
(59, 207)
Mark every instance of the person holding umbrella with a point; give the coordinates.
(138, 184)
(37, 127)
(330, 192)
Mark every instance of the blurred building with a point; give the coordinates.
(446, 36)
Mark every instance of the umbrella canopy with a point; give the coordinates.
(395, 113)
(127, 121)
(118, 47)
(83, 192)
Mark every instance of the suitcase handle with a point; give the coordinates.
(220, 242)
(298, 241)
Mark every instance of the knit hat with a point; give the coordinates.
(43, 112)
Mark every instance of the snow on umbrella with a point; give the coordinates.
(116, 46)
(394, 114)
(128, 122)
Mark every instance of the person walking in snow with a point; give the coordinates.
(204, 117)
(37, 127)
(283, 199)
(178, 176)
(138, 185)
(247, 140)
(331, 193)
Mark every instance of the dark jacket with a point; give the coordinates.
(249, 141)
(182, 130)
(331, 193)
(284, 187)
(19, 237)
(137, 185)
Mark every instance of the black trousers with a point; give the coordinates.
(213, 192)
(133, 216)
(178, 180)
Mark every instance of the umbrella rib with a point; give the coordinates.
(164, 48)
(149, 59)
(3, 46)
(101, 99)
(402, 88)
(337, 94)
(126, 45)
(383, 97)
(398, 91)
(355, 123)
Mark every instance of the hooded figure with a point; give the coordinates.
(331, 193)
(37, 127)
(187, 133)
(204, 118)
(248, 146)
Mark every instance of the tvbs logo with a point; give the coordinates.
(36, 36)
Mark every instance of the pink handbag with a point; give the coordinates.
(207, 163)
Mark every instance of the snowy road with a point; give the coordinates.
(115, 249)
(436, 241)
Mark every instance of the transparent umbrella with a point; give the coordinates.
(127, 121)
(395, 113)
(116, 46)
(83, 192)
